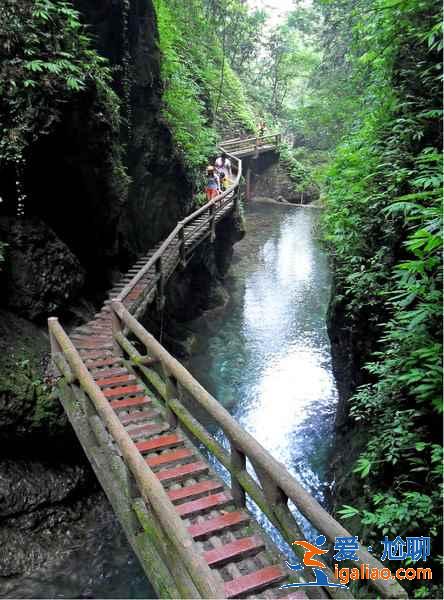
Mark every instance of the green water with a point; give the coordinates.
(266, 355)
(266, 358)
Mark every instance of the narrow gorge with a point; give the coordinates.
(289, 350)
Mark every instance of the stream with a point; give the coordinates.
(266, 355)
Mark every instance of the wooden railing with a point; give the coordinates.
(182, 240)
(189, 232)
(133, 472)
(252, 143)
(274, 486)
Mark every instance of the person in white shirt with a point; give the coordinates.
(223, 163)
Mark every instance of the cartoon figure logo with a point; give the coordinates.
(312, 550)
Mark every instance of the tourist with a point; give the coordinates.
(262, 128)
(213, 186)
(224, 181)
(223, 163)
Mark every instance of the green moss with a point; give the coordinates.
(29, 402)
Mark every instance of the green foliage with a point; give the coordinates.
(22, 380)
(299, 173)
(202, 93)
(29, 386)
(241, 28)
(383, 224)
(47, 59)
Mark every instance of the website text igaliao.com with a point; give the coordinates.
(346, 574)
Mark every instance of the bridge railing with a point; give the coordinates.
(274, 487)
(271, 139)
(176, 247)
(192, 573)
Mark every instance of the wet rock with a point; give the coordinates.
(26, 487)
(75, 549)
(28, 413)
(270, 179)
(41, 275)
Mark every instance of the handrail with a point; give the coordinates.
(252, 139)
(149, 485)
(174, 235)
(239, 140)
(261, 459)
(216, 202)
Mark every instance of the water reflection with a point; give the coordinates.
(266, 357)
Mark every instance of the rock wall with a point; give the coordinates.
(58, 535)
(160, 193)
(351, 345)
(270, 179)
(195, 289)
(41, 275)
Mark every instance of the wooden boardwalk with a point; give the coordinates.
(126, 398)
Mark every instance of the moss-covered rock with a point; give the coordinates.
(41, 274)
(27, 408)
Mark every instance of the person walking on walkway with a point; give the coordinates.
(261, 128)
(213, 186)
(223, 163)
(224, 181)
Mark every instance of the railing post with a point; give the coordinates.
(239, 463)
(55, 346)
(116, 325)
(212, 223)
(248, 180)
(183, 258)
(274, 495)
(160, 284)
(237, 199)
(171, 393)
(256, 147)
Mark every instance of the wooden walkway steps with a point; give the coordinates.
(193, 534)
(230, 542)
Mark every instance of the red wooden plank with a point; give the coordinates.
(219, 523)
(137, 415)
(102, 329)
(194, 491)
(91, 336)
(104, 316)
(148, 429)
(110, 381)
(92, 344)
(98, 354)
(234, 550)
(168, 457)
(130, 402)
(105, 373)
(166, 441)
(103, 362)
(254, 581)
(127, 390)
(183, 472)
(194, 507)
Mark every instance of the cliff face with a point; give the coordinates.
(83, 224)
(159, 192)
(271, 178)
(350, 348)
(73, 179)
